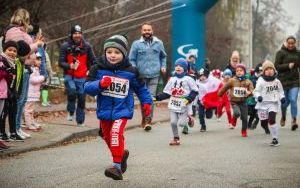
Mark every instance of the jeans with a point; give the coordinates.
(291, 96)
(75, 91)
(22, 99)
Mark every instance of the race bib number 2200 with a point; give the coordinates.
(118, 88)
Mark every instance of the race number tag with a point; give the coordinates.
(118, 88)
(271, 92)
(176, 103)
(239, 92)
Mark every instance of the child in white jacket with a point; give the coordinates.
(35, 82)
(269, 93)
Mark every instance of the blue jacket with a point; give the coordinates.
(117, 101)
(148, 58)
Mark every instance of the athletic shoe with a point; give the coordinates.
(3, 146)
(174, 142)
(185, 130)
(31, 128)
(294, 127)
(4, 137)
(124, 161)
(114, 173)
(275, 142)
(231, 126)
(37, 126)
(69, 117)
(147, 127)
(203, 128)
(282, 122)
(23, 134)
(244, 134)
(20, 135)
(80, 124)
(191, 121)
(16, 137)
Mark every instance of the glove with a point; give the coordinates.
(147, 109)
(282, 100)
(259, 98)
(105, 82)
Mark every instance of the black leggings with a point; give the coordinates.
(10, 110)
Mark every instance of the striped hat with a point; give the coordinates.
(117, 41)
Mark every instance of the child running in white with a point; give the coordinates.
(182, 90)
(269, 93)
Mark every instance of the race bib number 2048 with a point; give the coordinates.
(118, 88)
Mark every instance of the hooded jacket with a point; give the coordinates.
(116, 101)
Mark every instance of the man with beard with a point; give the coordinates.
(149, 56)
(76, 57)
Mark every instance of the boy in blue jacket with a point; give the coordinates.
(113, 81)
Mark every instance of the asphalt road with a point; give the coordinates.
(217, 158)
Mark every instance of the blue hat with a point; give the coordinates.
(182, 63)
(227, 72)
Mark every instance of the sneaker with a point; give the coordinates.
(230, 126)
(4, 137)
(37, 126)
(191, 122)
(185, 130)
(174, 142)
(16, 137)
(275, 142)
(80, 124)
(69, 117)
(27, 135)
(3, 146)
(124, 161)
(20, 133)
(244, 134)
(282, 122)
(203, 128)
(218, 119)
(31, 128)
(44, 104)
(114, 173)
(294, 127)
(147, 127)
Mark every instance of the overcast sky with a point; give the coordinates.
(292, 7)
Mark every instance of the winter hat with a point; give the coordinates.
(267, 64)
(240, 65)
(23, 48)
(216, 72)
(117, 41)
(227, 72)
(75, 28)
(10, 44)
(182, 63)
(204, 72)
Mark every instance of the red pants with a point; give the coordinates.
(228, 111)
(113, 136)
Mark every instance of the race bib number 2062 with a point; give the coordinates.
(118, 88)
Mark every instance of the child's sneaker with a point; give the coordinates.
(114, 173)
(4, 137)
(16, 137)
(147, 127)
(69, 117)
(124, 161)
(244, 134)
(275, 142)
(230, 126)
(191, 121)
(185, 130)
(175, 142)
(282, 122)
(31, 128)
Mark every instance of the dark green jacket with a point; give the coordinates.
(288, 77)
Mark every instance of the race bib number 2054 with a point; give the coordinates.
(118, 88)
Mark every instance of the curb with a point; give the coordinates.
(65, 140)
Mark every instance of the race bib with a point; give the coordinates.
(176, 103)
(239, 92)
(118, 88)
(271, 92)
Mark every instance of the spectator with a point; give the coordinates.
(287, 64)
(16, 31)
(76, 57)
(149, 56)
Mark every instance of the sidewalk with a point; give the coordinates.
(58, 131)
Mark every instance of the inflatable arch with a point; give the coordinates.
(188, 28)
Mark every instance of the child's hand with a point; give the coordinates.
(147, 109)
(259, 99)
(282, 100)
(105, 82)
(248, 93)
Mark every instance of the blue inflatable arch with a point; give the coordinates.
(188, 28)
